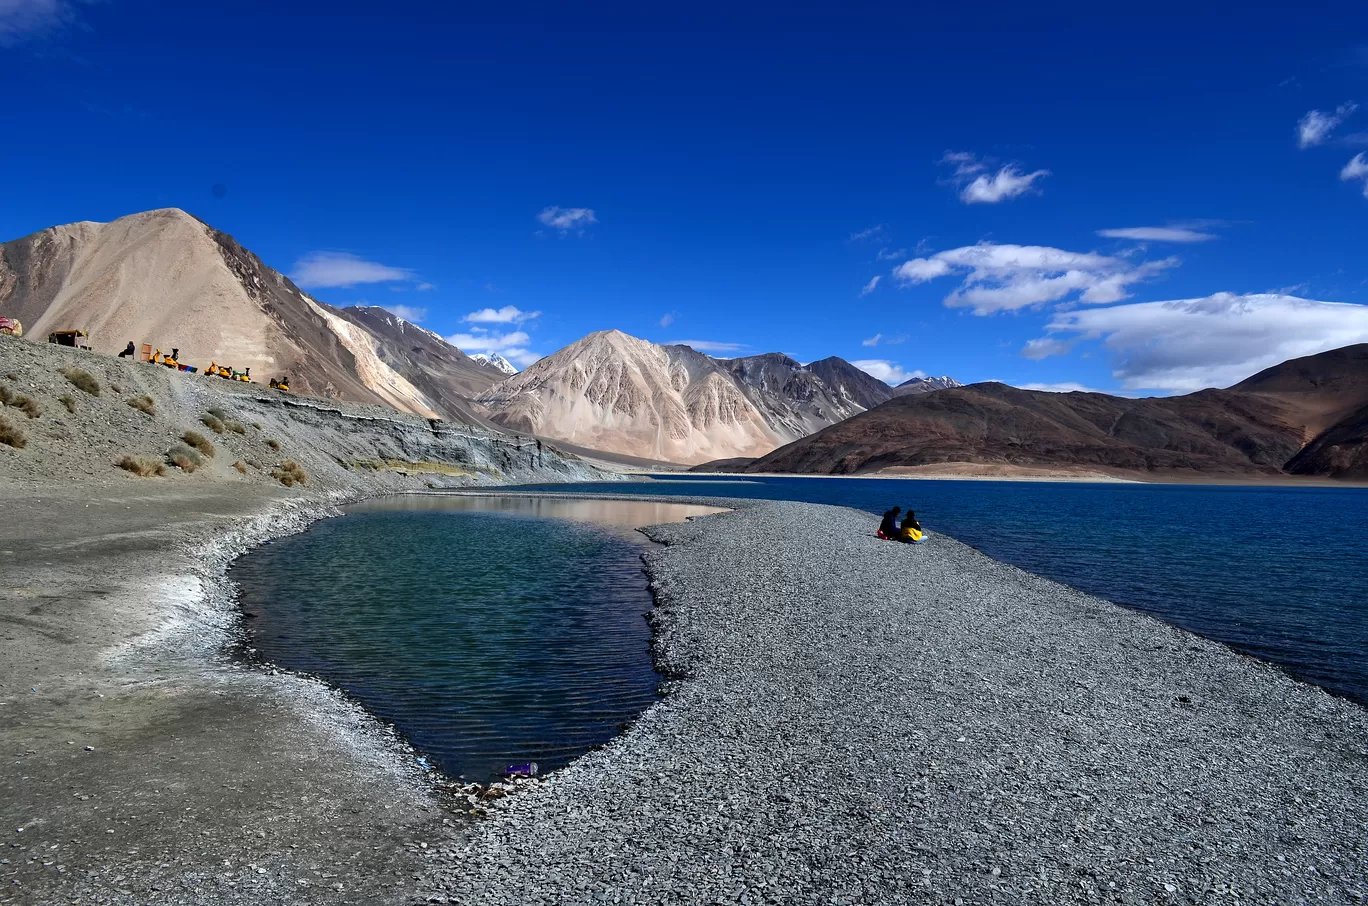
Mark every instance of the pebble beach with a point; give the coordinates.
(853, 721)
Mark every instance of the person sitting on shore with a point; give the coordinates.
(888, 529)
(911, 531)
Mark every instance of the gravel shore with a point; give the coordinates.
(854, 721)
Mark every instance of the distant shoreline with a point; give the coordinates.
(1290, 481)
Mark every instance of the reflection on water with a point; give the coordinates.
(489, 630)
(622, 516)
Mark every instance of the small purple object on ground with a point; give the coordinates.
(521, 770)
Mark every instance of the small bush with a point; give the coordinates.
(256, 425)
(82, 380)
(6, 395)
(143, 404)
(240, 466)
(27, 405)
(235, 427)
(117, 388)
(289, 473)
(12, 435)
(66, 399)
(217, 413)
(199, 442)
(212, 422)
(273, 443)
(142, 466)
(184, 458)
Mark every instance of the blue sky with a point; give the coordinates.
(1051, 196)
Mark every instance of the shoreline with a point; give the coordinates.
(1272, 481)
(715, 790)
(322, 711)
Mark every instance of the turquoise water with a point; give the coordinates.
(1277, 572)
(489, 632)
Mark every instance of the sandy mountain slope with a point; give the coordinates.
(610, 391)
(445, 376)
(166, 278)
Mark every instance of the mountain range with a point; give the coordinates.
(168, 279)
(1306, 416)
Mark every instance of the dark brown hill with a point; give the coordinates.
(1208, 432)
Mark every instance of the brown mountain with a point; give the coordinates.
(624, 395)
(1307, 417)
(445, 375)
(167, 279)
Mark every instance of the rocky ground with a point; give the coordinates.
(143, 761)
(861, 722)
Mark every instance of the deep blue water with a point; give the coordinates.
(1277, 572)
(490, 632)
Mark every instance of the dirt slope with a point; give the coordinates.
(337, 445)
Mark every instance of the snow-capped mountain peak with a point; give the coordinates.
(494, 360)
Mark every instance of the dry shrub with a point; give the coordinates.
(240, 466)
(199, 442)
(117, 388)
(66, 399)
(212, 422)
(273, 443)
(184, 458)
(235, 427)
(6, 395)
(12, 435)
(143, 403)
(256, 425)
(82, 380)
(142, 466)
(217, 413)
(289, 473)
(27, 405)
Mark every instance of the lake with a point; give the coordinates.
(1278, 572)
(489, 631)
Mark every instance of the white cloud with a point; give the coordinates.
(407, 312)
(872, 341)
(965, 163)
(708, 345)
(1006, 184)
(1314, 128)
(1044, 347)
(425, 287)
(1009, 277)
(334, 269)
(507, 315)
(512, 346)
(870, 286)
(20, 19)
(886, 371)
(1357, 168)
(567, 219)
(1158, 234)
(979, 185)
(867, 234)
(1188, 344)
(891, 254)
(667, 319)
